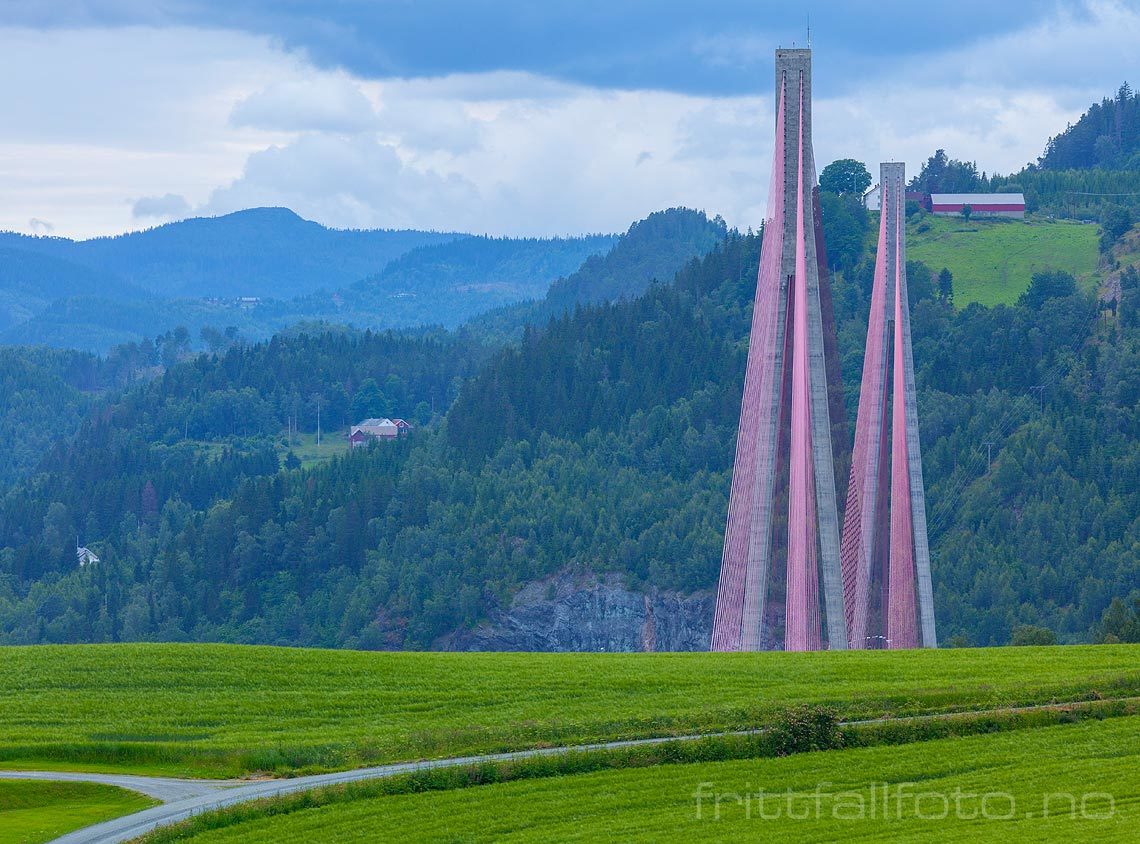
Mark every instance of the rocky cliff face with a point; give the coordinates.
(591, 613)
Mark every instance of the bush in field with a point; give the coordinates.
(805, 728)
(1032, 634)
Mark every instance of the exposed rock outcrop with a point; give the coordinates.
(591, 613)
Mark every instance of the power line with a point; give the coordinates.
(1087, 193)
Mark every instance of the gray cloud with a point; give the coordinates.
(40, 227)
(171, 206)
(664, 45)
(727, 127)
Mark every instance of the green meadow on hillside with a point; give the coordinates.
(993, 260)
(1063, 783)
(304, 447)
(227, 709)
(32, 811)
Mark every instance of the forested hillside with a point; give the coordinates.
(1107, 136)
(97, 324)
(1090, 170)
(45, 395)
(152, 464)
(602, 443)
(30, 282)
(652, 249)
(450, 283)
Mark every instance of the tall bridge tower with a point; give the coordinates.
(886, 559)
(781, 577)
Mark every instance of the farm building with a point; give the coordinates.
(981, 204)
(377, 429)
(373, 429)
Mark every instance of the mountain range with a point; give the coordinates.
(262, 270)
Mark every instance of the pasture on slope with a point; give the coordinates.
(993, 260)
(225, 710)
(1025, 777)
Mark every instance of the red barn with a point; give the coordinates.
(981, 204)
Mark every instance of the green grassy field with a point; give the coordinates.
(32, 811)
(1068, 783)
(304, 446)
(227, 710)
(993, 261)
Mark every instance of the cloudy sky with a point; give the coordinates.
(509, 117)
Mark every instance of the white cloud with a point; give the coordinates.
(131, 88)
(95, 118)
(1003, 129)
(347, 182)
(322, 103)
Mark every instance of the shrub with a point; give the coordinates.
(805, 728)
(1032, 634)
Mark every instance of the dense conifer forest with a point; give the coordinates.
(1107, 136)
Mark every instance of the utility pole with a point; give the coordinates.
(1040, 389)
(989, 444)
(318, 399)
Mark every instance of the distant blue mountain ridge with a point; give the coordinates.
(261, 271)
(262, 252)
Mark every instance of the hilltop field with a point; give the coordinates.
(993, 260)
